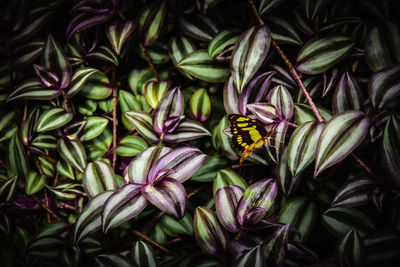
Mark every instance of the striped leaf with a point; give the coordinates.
(151, 19)
(231, 97)
(96, 87)
(173, 227)
(267, 113)
(280, 97)
(227, 177)
(303, 113)
(123, 205)
(73, 153)
(112, 260)
(339, 220)
(143, 124)
(87, 107)
(143, 254)
(210, 235)
(249, 53)
(257, 199)
(47, 166)
(65, 169)
(154, 91)
(283, 32)
(52, 119)
(33, 90)
(351, 250)
(301, 214)
(168, 195)
(268, 5)
(185, 131)
(25, 54)
(17, 160)
(90, 218)
(170, 107)
(131, 146)
(178, 48)
(222, 141)
(226, 201)
(341, 135)
(199, 27)
(47, 77)
(321, 53)
(253, 257)
(382, 47)
(275, 248)
(390, 149)
(98, 177)
(44, 141)
(302, 146)
(200, 105)
(183, 162)
(55, 59)
(211, 166)
(199, 64)
(8, 189)
(384, 88)
(79, 78)
(354, 193)
(104, 53)
(222, 44)
(138, 169)
(287, 181)
(94, 126)
(347, 95)
(34, 183)
(117, 33)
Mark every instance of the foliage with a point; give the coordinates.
(116, 145)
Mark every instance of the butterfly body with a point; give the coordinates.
(247, 134)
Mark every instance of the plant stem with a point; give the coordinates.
(65, 101)
(292, 124)
(44, 206)
(361, 163)
(149, 61)
(115, 120)
(47, 204)
(151, 241)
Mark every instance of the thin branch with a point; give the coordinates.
(115, 120)
(47, 204)
(151, 241)
(359, 161)
(253, 7)
(194, 192)
(44, 206)
(173, 241)
(63, 205)
(149, 61)
(292, 124)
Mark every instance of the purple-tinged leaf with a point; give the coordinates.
(303, 113)
(384, 88)
(287, 181)
(347, 95)
(143, 124)
(354, 193)
(278, 140)
(256, 201)
(280, 97)
(275, 249)
(171, 105)
(221, 139)
(209, 233)
(52, 119)
(90, 218)
(33, 90)
(339, 220)
(302, 146)
(168, 195)
(222, 44)
(200, 105)
(248, 55)
(139, 168)
(255, 91)
(46, 77)
(341, 135)
(231, 97)
(17, 158)
(186, 130)
(351, 250)
(123, 205)
(300, 213)
(151, 19)
(155, 90)
(79, 79)
(330, 78)
(110, 259)
(253, 257)
(118, 31)
(55, 59)
(143, 254)
(98, 177)
(104, 53)
(25, 54)
(226, 201)
(73, 153)
(267, 113)
(391, 149)
(85, 20)
(199, 26)
(183, 161)
(227, 177)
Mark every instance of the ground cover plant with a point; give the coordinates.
(199, 133)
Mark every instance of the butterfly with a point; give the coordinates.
(247, 134)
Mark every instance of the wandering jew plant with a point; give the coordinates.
(199, 133)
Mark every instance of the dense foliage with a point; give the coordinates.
(116, 147)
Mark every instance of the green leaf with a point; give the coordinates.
(151, 19)
(282, 31)
(351, 250)
(72, 152)
(143, 254)
(200, 105)
(79, 78)
(208, 171)
(8, 190)
(117, 32)
(198, 26)
(199, 64)
(94, 126)
(173, 227)
(33, 90)
(52, 119)
(303, 113)
(97, 87)
(249, 53)
(34, 183)
(131, 146)
(222, 44)
(341, 135)
(17, 160)
(321, 53)
(227, 177)
(391, 149)
(347, 95)
(98, 177)
(154, 91)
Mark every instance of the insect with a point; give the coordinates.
(247, 134)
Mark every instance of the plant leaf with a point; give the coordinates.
(151, 20)
(53, 119)
(73, 153)
(117, 33)
(390, 149)
(226, 201)
(98, 177)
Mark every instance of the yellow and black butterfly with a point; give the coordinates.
(247, 134)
